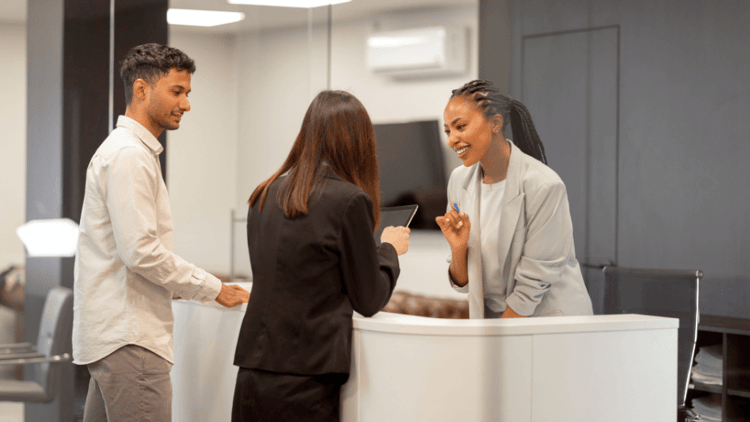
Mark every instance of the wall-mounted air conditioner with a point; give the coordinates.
(434, 51)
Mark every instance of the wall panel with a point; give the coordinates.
(682, 197)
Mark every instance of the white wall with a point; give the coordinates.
(391, 100)
(276, 78)
(201, 169)
(278, 82)
(12, 141)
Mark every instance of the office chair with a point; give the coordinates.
(666, 293)
(53, 343)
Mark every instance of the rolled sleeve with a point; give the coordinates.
(456, 287)
(209, 286)
(546, 248)
(451, 200)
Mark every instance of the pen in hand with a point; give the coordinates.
(455, 207)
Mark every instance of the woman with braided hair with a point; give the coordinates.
(508, 222)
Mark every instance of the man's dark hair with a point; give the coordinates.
(151, 62)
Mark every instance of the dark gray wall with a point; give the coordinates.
(494, 42)
(676, 117)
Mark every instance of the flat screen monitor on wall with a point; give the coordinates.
(411, 169)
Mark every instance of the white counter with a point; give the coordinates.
(406, 368)
(596, 368)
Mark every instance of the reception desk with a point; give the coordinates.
(406, 368)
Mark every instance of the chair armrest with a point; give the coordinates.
(65, 357)
(22, 355)
(15, 347)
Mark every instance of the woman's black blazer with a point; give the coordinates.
(309, 273)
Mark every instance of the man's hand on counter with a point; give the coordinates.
(233, 295)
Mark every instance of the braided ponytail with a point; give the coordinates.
(491, 101)
(524, 132)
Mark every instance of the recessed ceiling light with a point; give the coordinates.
(202, 17)
(289, 3)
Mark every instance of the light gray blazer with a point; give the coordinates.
(535, 241)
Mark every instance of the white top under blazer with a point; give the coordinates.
(535, 241)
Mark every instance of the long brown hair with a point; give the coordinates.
(336, 130)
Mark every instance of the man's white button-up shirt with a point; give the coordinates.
(126, 274)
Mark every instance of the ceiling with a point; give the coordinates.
(259, 17)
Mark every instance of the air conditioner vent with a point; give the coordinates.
(415, 52)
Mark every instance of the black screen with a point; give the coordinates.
(411, 168)
(394, 216)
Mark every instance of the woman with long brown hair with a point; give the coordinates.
(310, 235)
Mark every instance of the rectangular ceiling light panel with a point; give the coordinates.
(202, 17)
(289, 3)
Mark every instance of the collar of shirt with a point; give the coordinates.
(141, 132)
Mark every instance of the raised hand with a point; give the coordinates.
(456, 228)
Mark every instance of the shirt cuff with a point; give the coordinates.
(520, 306)
(209, 286)
(456, 287)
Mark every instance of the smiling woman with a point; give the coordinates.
(517, 259)
(474, 137)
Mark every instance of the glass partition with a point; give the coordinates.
(255, 79)
(13, 139)
(13, 185)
